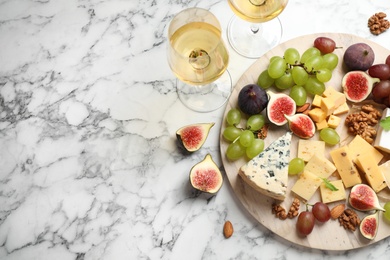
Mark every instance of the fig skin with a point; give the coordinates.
(192, 137)
(252, 99)
(359, 56)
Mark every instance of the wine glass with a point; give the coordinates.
(198, 57)
(253, 30)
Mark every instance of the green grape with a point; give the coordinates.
(255, 122)
(285, 81)
(329, 136)
(296, 166)
(387, 210)
(231, 133)
(235, 151)
(264, 80)
(324, 75)
(291, 55)
(314, 86)
(246, 138)
(255, 148)
(233, 117)
(299, 75)
(298, 93)
(312, 51)
(277, 67)
(330, 61)
(274, 58)
(314, 63)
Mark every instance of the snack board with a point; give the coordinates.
(329, 235)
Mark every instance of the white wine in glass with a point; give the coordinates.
(198, 57)
(255, 28)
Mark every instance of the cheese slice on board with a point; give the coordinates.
(267, 173)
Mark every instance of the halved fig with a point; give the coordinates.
(205, 176)
(369, 226)
(357, 85)
(363, 198)
(301, 125)
(279, 106)
(192, 137)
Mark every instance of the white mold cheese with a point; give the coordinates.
(268, 172)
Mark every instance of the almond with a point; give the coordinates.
(228, 229)
(303, 108)
(337, 210)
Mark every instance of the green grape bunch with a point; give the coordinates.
(243, 141)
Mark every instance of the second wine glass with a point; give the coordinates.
(255, 28)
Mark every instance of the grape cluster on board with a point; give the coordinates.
(302, 74)
(243, 141)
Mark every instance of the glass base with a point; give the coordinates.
(253, 40)
(205, 98)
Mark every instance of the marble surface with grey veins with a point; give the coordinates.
(89, 166)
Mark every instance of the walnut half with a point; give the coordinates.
(378, 24)
(349, 220)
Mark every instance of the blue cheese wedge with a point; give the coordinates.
(267, 173)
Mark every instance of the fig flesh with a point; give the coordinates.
(301, 125)
(205, 176)
(192, 137)
(252, 99)
(369, 226)
(279, 106)
(357, 85)
(363, 198)
(359, 56)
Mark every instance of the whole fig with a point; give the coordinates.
(359, 56)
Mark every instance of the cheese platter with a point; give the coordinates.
(326, 236)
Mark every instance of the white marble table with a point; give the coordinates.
(89, 167)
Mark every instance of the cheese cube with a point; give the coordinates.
(382, 140)
(317, 114)
(321, 125)
(307, 148)
(338, 97)
(372, 172)
(306, 185)
(320, 166)
(345, 166)
(328, 106)
(327, 195)
(333, 121)
(344, 108)
(385, 168)
(316, 101)
(358, 147)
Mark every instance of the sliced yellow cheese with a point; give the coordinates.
(385, 168)
(334, 121)
(306, 185)
(328, 106)
(372, 172)
(345, 166)
(317, 114)
(358, 147)
(321, 125)
(327, 195)
(307, 148)
(316, 101)
(344, 108)
(338, 97)
(382, 140)
(320, 166)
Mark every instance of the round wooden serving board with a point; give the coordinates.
(327, 236)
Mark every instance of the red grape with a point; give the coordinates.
(321, 212)
(388, 60)
(305, 223)
(381, 71)
(381, 89)
(325, 44)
